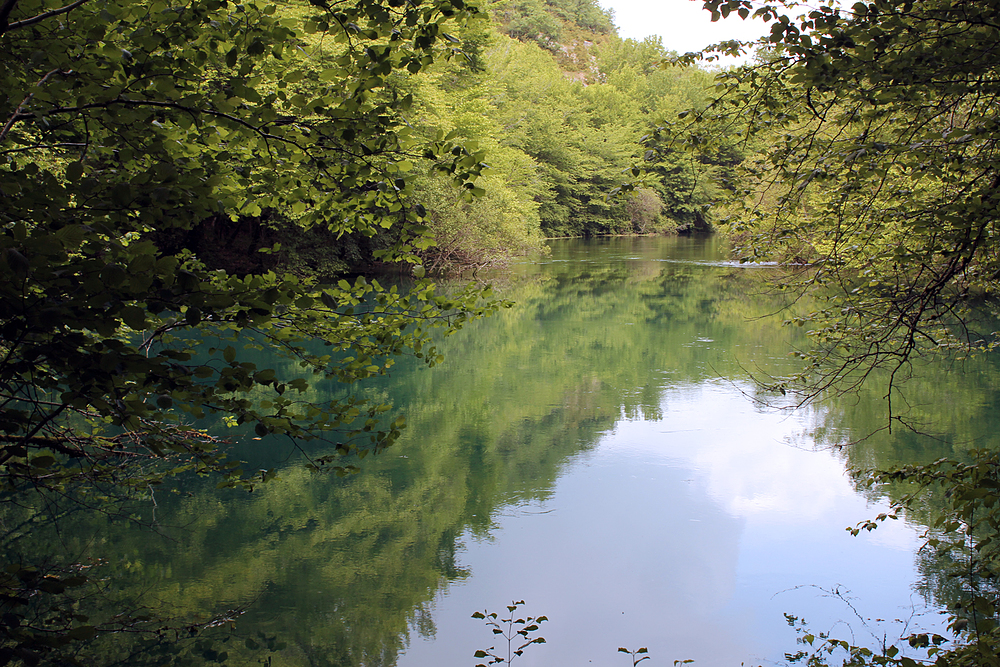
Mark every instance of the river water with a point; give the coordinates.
(598, 451)
(695, 513)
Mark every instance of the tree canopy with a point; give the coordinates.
(874, 133)
(126, 123)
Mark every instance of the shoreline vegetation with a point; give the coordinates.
(628, 235)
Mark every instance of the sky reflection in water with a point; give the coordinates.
(690, 533)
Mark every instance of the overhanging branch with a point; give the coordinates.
(4, 26)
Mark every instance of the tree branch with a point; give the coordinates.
(195, 112)
(4, 27)
(17, 115)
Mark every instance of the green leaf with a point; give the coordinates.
(82, 632)
(74, 170)
(134, 317)
(43, 461)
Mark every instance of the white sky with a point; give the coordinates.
(683, 24)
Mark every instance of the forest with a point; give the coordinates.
(187, 184)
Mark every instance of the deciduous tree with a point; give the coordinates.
(876, 127)
(124, 120)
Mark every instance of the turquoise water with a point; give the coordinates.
(599, 451)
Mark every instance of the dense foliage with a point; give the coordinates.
(127, 124)
(560, 111)
(875, 128)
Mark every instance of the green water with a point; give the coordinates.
(598, 451)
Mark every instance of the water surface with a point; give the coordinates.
(693, 517)
(598, 451)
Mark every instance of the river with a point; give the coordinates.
(598, 451)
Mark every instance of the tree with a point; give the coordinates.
(124, 121)
(484, 231)
(876, 134)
